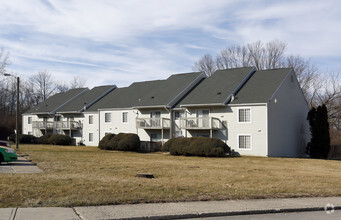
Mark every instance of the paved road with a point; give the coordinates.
(315, 215)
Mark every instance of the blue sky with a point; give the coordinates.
(119, 42)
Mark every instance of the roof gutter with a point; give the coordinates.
(152, 106)
(241, 84)
(201, 105)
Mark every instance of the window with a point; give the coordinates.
(244, 115)
(29, 120)
(244, 142)
(124, 117)
(91, 137)
(178, 115)
(91, 119)
(107, 117)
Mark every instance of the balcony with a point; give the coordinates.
(63, 125)
(202, 123)
(67, 125)
(153, 123)
(42, 125)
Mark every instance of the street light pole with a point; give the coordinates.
(16, 113)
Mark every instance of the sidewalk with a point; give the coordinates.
(175, 210)
(22, 165)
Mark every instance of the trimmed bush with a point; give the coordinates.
(24, 138)
(60, 139)
(106, 142)
(127, 142)
(44, 139)
(196, 146)
(121, 142)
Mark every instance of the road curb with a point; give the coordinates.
(221, 214)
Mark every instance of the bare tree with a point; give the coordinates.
(268, 56)
(4, 60)
(206, 64)
(43, 85)
(77, 82)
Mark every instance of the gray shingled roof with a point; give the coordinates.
(124, 97)
(167, 90)
(144, 94)
(86, 99)
(261, 86)
(56, 101)
(216, 89)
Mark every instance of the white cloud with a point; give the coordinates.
(124, 41)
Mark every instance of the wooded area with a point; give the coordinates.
(33, 90)
(319, 88)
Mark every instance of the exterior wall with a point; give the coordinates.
(26, 127)
(91, 128)
(147, 134)
(257, 128)
(116, 125)
(75, 134)
(288, 127)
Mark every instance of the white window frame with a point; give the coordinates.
(29, 120)
(125, 122)
(92, 116)
(244, 122)
(239, 143)
(110, 117)
(91, 141)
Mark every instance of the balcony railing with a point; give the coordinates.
(42, 125)
(67, 125)
(200, 123)
(64, 125)
(153, 123)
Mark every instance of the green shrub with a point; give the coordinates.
(127, 142)
(106, 142)
(60, 139)
(43, 139)
(179, 145)
(27, 139)
(23, 138)
(121, 142)
(196, 146)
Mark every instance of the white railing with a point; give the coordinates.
(42, 124)
(200, 123)
(55, 125)
(152, 123)
(66, 125)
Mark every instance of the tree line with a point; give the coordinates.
(319, 88)
(33, 90)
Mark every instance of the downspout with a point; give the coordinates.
(99, 126)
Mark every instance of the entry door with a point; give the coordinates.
(177, 122)
(155, 119)
(203, 120)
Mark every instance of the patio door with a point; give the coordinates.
(155, 119)
(177, 123)
(203, 118)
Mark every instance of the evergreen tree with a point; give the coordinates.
(319, 145)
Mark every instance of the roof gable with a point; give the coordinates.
(86, 99)
(57, 101)
(261, 86)
(218, 88)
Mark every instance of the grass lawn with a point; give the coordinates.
(77, 176)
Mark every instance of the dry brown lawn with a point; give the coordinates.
(78, 176)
